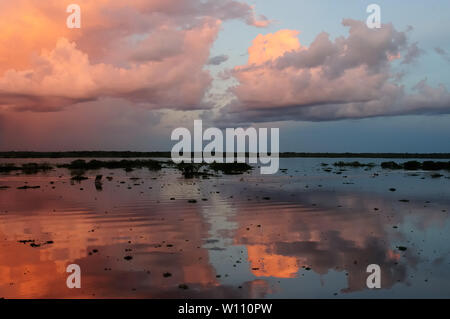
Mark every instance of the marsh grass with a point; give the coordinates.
(353, 164)
(128, 165)
(415, 165)
(28, 168)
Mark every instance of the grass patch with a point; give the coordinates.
(231, 168)
(353, 164)
(29, 168)
(416, 165)
(128, 165)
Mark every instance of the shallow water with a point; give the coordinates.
(303, 233)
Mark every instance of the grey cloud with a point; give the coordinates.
(444, 54)
(217, 60)
(412, 54)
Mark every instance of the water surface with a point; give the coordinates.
(303, 233)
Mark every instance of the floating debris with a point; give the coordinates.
(28, 187)
(33, 243)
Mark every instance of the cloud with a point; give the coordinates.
(65, 76)
(217, 60)
(444, 54)
(350, 77)
(105, 124)
(150, 52)
(412, 54)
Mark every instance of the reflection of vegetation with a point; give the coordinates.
(78, 178)
(123, 164)
(353, 164)
(98, 182)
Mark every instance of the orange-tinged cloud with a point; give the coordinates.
(151, 51)
(273, 45)
(66, 75)
(27, 27)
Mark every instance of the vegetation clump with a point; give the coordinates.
(231, 168)
(412, 165)
(190, 170)
(29, 168)
(416, 165)
(8, 167)
(122, 164)
(435, 166)
(28, 187)
(353, 164)
(34, 168)
(391, 165)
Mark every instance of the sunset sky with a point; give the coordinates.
(137, 69)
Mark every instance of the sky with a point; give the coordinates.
(138, 69)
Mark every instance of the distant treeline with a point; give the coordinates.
(129, 154)
(84, 154)
(368, 155)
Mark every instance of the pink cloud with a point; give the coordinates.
(149, 52)
(350, 77)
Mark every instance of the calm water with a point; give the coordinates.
(303, 233)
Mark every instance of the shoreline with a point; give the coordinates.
(131, 154)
